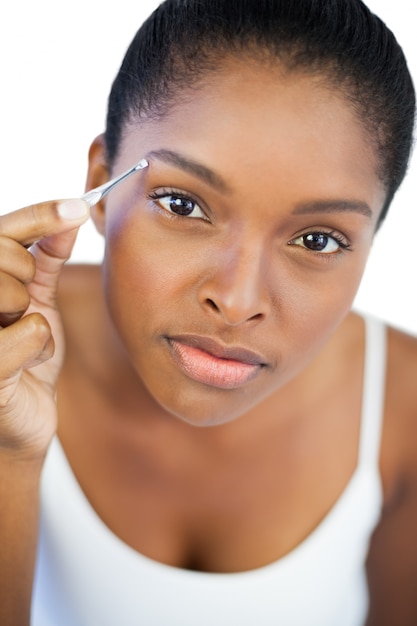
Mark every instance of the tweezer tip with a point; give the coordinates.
(142, 164)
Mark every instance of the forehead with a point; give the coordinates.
(250, 118)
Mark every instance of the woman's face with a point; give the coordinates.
(231, 259)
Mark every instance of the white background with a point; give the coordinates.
(58, 60)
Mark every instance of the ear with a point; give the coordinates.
(98, 173)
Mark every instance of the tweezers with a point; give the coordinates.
(95, 195)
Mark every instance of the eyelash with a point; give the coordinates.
(175, 193)
(165, 193)
(344, 245)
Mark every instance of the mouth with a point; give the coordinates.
(206, 361)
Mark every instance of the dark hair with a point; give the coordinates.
(340, 40)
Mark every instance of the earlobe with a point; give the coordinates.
(98, 173)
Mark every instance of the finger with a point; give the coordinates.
(26, 343)
(50, 254)
(16, 260)
(42, 220)
(14, 299)
(53, 225)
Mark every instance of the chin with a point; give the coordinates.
(208, 406)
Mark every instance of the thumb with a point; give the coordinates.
(51, 252)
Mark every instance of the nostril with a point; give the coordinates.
(229, 315)
(212, 305)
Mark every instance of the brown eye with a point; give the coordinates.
(179, 205)
(324, 243)
(316, 241)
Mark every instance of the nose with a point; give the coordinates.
(235, 286)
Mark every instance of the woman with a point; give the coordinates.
(234, 445)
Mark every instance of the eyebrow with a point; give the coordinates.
(190, 166)
(214, 179)
(334, 206)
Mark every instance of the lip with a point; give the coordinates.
(205, 360)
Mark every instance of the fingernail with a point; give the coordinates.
(73, 209)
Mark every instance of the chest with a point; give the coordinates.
(219, 510)
(222, 501)
(80, 556)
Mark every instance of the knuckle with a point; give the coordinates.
(30, 223)
(23, 344)
(44, 217)
(14, 299)
(38, 217)
(28, 267)
(32, 331)
(37, 325)
(19, 298)
(16, 260)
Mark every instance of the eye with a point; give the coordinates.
(324, 243)
(179, 204)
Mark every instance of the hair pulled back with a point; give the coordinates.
(341, 40)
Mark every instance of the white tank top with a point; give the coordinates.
(86, 576)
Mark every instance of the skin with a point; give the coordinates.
(264, 302)
(136, 427)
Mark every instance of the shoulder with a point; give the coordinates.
(399, 442)
(81, 305)
(402, 352)
(79, 286)
(78, 279)
(392, 559)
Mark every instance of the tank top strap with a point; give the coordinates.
(373, 394)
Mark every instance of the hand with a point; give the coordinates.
(31, 337)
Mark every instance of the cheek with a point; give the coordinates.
(153, 278)
(153, 270)
(147, 270)
(311, 305)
